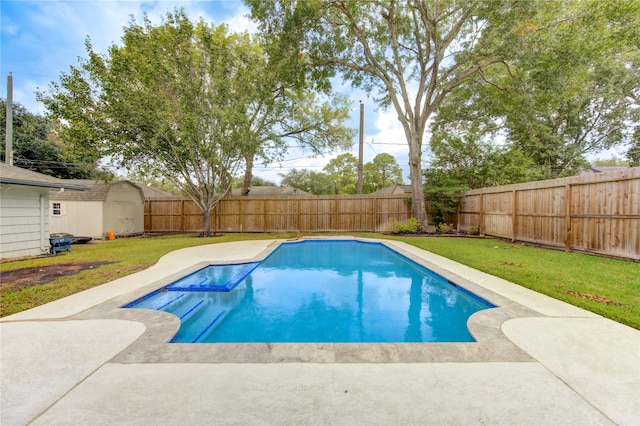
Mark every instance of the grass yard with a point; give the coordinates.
(605, 286)
(125, 256)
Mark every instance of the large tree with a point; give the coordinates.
(343, 173)
(570, 88)
(316, 183)
(36, 147)
(409, 54)
(281, 114)
(380, 173)
(169, 101)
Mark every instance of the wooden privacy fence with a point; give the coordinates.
(280, 214)
(598, 213)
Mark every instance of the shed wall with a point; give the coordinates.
(80, 218)
(124, 209)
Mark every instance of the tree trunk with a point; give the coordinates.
(418, 210)
(248, 174)
(206, 224)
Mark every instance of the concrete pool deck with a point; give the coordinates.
(83, 360)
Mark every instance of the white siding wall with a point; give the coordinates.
(21, 231)
(124, 209)
(79, 218)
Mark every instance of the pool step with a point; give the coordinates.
(191, 310)
(208, 327)
(197, 321)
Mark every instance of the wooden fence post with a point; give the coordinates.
(514, 232)
(264, 215)
(182, 217)
(481, 213)
(567, 217)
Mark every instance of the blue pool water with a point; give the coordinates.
(318, 291)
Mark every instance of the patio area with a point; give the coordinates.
(83, 360)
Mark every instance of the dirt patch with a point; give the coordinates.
(25, 277)
(594, 297)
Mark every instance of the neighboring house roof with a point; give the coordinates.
(602, 169)
(271, 191)
(12, 175)
(96, 190)
(393, 189)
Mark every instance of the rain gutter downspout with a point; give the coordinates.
(44, 247)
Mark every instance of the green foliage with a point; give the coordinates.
(634, 152)
(473, 230)
(157, 182)
(255, 181)
(568, 87)
(391, 48)
(316, 183)
(283, 116)
(169, 100)
(343, 173)
(611, 162)
(443, 192)
(411, 226)
(383, 171)
(341, 176)
(37, 148)
(462, 163)
(445, 228)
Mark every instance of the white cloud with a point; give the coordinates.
(10, 30)
(241, 22)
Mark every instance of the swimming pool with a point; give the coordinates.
(318, 291)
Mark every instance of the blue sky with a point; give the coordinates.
(41, 39)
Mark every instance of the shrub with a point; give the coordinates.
(473, 230)
(411, 226)
(445, 229)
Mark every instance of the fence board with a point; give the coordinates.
(598, 213)
(280, 214)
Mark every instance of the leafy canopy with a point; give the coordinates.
(408, 54)
(37, 147)
(170, 101)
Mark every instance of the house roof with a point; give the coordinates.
(12, 175)
(393, 189)
(271, 191)
(96, 190)
(602, 169)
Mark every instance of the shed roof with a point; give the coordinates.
(12, 175)
(96, 190)
(152, 193)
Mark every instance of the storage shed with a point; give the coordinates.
(117, 207)
(24, 210)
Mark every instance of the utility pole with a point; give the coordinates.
(361, 143)
(8, 146)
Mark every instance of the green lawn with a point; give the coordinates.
(608, 287)
(605, 286)
(127, 255)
